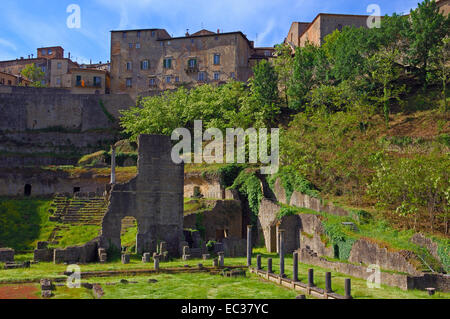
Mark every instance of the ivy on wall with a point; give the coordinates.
(292, 181)
(250, 186)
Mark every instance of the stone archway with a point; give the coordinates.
(154, 197)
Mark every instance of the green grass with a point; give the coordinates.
(23, 222)
(78, 235)
(201, 286)
(183, 286)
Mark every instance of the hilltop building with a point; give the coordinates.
(60, 72)
(150, 60)
(314, 32)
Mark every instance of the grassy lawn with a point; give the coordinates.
(204, 285)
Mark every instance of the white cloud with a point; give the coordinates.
(6, 43)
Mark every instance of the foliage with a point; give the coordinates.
(426, 30)
(228, 173)
(249, 185)
(22, 222)
(413, 185)
(333, 151)
(287, 211)
(339, 238)
(264, 91)
(292, 181)
(283, 65)
(34, 74)
(384, 72)
(309, 70)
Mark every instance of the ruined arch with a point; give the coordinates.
(154, 197)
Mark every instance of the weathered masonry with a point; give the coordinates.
(154, 197)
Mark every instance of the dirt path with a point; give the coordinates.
(27, 291)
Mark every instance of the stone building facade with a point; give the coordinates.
(61, 72)
(150, 60)
(444, 6)
(301, 33)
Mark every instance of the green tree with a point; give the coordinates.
(263, 102)
(384, 72)
(440, 63)
(283, 65)
(428, 28)
(308, 72)
(34, 74)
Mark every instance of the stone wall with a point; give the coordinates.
(154, 197)
(430, 245)
(305, 201)
(48, 182)
(224, 217)
(369, 253)
(209, 187)
(77, 254)
(405, 282)
(6, 255)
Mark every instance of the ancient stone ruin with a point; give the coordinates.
(154, 197)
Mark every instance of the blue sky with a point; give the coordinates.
(28, 24)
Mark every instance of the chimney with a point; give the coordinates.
(187, 32)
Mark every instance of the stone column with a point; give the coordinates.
(258, 262)
(310, 277)
(281, 252)
(328, 282)
(295, 266)
(348, 288)
(113, 164)
(269, 265)
(249, 245)
(156, 261)
(221, 259)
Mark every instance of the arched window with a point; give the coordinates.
(27, 190)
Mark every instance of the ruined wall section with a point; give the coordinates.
(154, 197)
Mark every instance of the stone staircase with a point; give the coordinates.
(127, 222)
(78, 210)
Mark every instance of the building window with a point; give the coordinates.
(339, 27)
(129, 82)
(144, 65)
(233, 76)
(50, 51)
(59, 65)
(97, 81)
(124, 35)
(216, 59)
(43, 82)
(138, 45)
(267, 53)
(153, 34)
(168, 79)
(192, 63)
(216, 38)
(192, 41)
(44, 52)
(58, 81)
(78, 82)
(216, 76)
(177, 79)
(152, 82)
(167, 64)
(44, 68)
(201, 76)
(138, 34)
(130, 45)
(129, 66)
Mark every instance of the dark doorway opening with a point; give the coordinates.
(27, 190)
(76, 190)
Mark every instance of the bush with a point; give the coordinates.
(250, 186)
